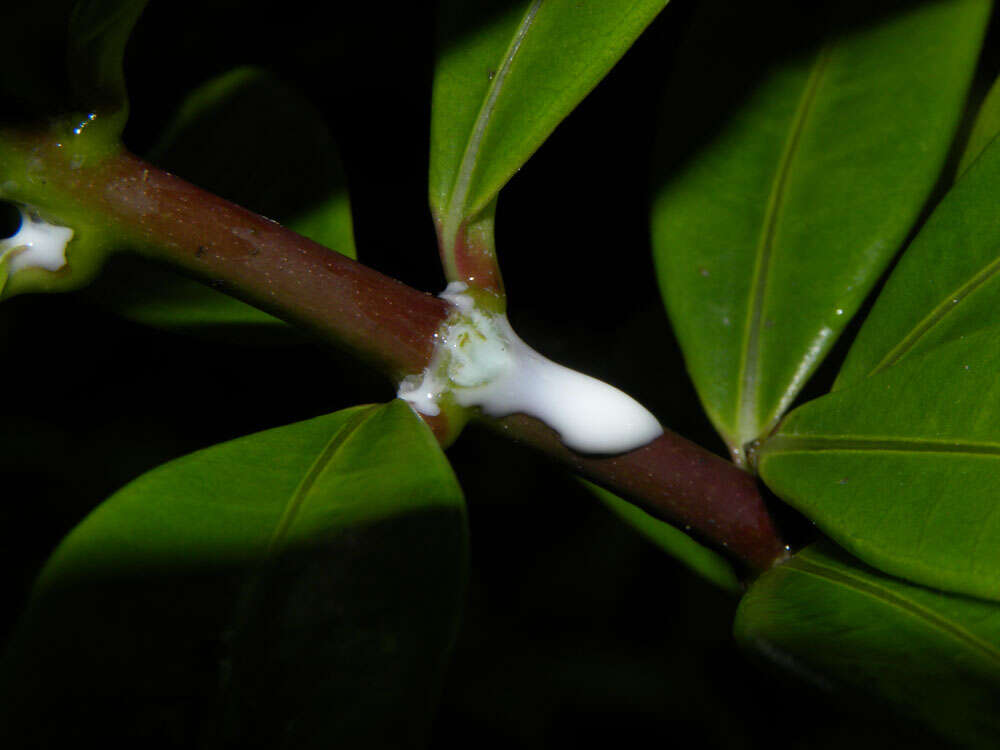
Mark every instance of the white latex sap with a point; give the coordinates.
(37, 244)
(483, 363)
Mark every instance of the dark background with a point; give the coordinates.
(575, 629)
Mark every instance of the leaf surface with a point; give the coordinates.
(214, 141)
(773, 217)
(306, 580)
(846, 627)
(692, 555)
(945, 286)
(507, 73)
(901, 469)
(984, 128)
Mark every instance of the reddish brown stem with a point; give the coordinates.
(678, 482)
(392, 326)
(468, 253)
(375, 317)
(475, 261)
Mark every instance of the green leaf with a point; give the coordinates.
(902, 468)
(984, 129)
(946, 284)
(697, 558)
(299, 587)
(849, 628)
(140, 291)
(507, 73)
(214, 141)
(769, 233)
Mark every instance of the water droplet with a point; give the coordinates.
(84, 123)
(839, 311)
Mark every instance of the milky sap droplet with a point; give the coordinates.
(37, 244)
(485, 364)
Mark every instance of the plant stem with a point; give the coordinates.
(468, 254)
(375, 317)
(384, 322)
(676, 481)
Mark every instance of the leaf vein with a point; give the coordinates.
(935, 316)
(460, 190)
(860, 443)
(750, 354)
(298, 498)
(892, 598)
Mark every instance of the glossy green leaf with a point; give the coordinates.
(298, 587)
(848, 628)
(946, 285)
(984, 128)
(772, 222)
(697, 558)
(507, 73)
(902, 468)
(215, 142)
(152, 295)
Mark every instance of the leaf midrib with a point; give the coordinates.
(454, 214)
(863, 443)
(301, 493)
(950, 303)
(892, 598)
(750, 353)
